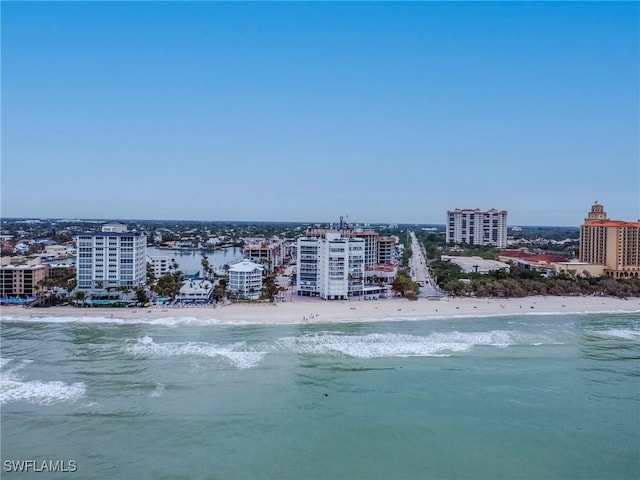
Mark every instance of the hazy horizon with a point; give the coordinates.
(167, 220)
(382, 112)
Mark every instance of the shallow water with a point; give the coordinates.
(507, 397)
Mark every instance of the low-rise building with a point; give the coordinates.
(55, 251)
(543, 263)
(476, 264)
(579, 269)
(195, 291)
(380, 274)
(245, 279)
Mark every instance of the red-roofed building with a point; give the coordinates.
(523, 258)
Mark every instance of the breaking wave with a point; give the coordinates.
(619, 333)
(394, 345)
(238, 354)
(13, 388)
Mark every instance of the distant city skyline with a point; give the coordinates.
(302, 112)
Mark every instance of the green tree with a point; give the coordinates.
(80, 296)
(403, 285)
(151, 276)
(269, 286)
(206, 266)
(169, 284)
(141, 295)
(221, 288)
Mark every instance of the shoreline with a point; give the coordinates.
(316, 311)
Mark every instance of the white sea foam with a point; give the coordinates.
(158, 391)
(65, 319)
(13, 388)
(40, 393)
(238, 354)
(620, 333)
(393, 345)
(193, 321)
(165, 321)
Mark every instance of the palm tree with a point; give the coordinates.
(206, 267)
(221, 288)
(151, 276)
(81, 296)
(269, 287)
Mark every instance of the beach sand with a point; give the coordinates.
(314, 310)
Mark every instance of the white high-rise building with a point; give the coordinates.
(114, 257)
(331, 267)
(307, 266)
(476, 227)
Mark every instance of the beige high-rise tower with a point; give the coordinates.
(613, 243)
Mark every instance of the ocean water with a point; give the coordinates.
(521, 397)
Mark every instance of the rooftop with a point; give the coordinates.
(246, 266)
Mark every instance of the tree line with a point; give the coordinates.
(520, 282)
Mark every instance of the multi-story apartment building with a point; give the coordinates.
(114, 257)
(265, 252)
(21, 280)
(245, 279)
(331, 267)
(477, 227)
(161, 264)
(378, 250)
(612, 243)
(386, 250)
(307, 266)
(371, 244)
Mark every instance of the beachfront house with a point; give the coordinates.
(245, 280)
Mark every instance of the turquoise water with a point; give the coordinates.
(528, 397)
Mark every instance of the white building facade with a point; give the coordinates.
(245, 279)
(161, 264)
(114, 257)
(331, 267)
(307, 266)
(477, 227)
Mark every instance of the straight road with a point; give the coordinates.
(420, 271)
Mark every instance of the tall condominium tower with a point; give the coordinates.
(476, 227)
(613, 243)
(114, 257)
(331, 267)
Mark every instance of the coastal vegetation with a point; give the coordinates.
(169, 284)
(522, 283)
(405, 287)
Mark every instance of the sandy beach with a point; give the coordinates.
(313, 310)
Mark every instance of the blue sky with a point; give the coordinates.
(385, 112)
